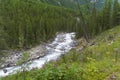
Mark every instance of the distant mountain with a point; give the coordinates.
(72, 4)
(63, 3)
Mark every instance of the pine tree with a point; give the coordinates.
(84, 24)
(28, 23)
(93, 20)
(116, 13)
(107, 15)
(3, 44)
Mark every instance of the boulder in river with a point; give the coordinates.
(5, 70)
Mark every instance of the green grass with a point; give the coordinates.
(98, 62)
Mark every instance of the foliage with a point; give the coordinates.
(115, 14)
(72, 3)
(27, 23)
(97, 62)
(24, 58)
(2, 40)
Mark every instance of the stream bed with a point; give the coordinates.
(62, 43)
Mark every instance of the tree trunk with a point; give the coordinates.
(84, 24)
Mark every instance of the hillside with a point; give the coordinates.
(62, 3)
(66, 43)
(34, 21)
(72, 4)
(96, 61)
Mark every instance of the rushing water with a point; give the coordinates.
(62, 44)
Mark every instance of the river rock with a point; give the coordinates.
(74, 43)
(5, 70)
(38, 51)
(15, 56)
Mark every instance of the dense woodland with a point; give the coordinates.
(26, 23)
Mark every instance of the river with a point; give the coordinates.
(62, 43)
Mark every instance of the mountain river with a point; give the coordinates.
(62, 43)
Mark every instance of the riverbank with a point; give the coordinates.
(14, 56)
(98, 61)
(62, 43)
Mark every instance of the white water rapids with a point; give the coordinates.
(61, 45)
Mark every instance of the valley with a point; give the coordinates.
(59, 39)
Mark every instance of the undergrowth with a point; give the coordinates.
(100, 61)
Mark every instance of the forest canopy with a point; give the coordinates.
(25, 23)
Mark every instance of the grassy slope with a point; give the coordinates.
(100, 61)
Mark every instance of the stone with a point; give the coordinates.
(92, 44)
(5, 70)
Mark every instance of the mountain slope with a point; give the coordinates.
(72, 4)
(26, 24)
(63, 3)
(98, 60)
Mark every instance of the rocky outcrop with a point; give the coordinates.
(37, 52)
(82, 43)
(14, 57)
(61, 45)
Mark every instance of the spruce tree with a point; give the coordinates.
(116, 13)
(107, 15)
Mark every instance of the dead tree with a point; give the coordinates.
(84, 24)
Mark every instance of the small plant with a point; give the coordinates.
(24, 58)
